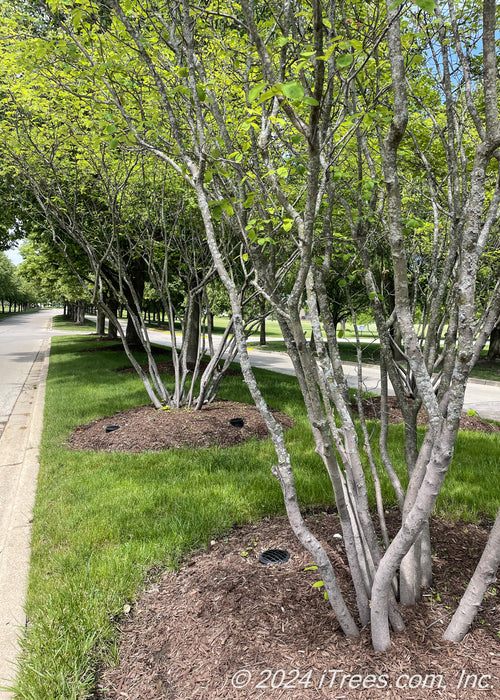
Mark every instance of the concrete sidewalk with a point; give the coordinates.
(19, 447)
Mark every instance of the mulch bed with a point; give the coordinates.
(191, 633)
(371, 409)
(143, 428)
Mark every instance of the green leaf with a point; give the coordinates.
(318, 584)
(255, 91)
(248, 124)
(311, 568)
(395, 4)
(227, 207)
(356, 44)
(293, 90)
(344, 60)
(427, 5)
(311, 101)
(275, 90)
(249, 201)
(201, 93)
(77, 17)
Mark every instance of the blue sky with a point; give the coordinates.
(14, 255)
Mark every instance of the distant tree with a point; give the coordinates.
(15, 291)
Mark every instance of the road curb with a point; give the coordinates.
(19, 450)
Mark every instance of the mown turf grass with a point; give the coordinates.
(102, 521)
(59, 323)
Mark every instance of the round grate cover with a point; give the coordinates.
(110, 428)
(236, 422)
(274, 556)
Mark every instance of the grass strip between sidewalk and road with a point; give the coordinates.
(104, 521)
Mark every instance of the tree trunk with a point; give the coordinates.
(262, 309)
(136, 277)
(80, 313)
(191, 334)
(484, 575)
(112, 329)
(494, 351)
(100, 323)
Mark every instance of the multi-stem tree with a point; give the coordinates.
(279, 116)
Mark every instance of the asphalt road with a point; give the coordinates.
(20, 340)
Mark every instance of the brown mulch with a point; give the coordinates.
(144, 428)
(223, 612)
(371, 408)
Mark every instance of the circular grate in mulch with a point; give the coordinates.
(274, 556)
(143, 428)
(222, 612)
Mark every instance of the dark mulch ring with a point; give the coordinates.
(371, 408)
(227, 626)
(144, 428)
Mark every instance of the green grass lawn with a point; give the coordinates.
(221, 322)
(102, 521)
(59, 323)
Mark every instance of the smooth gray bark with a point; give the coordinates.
(484, 575)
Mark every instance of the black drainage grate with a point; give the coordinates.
(274, 556)
(236, 422)
(110, 428)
